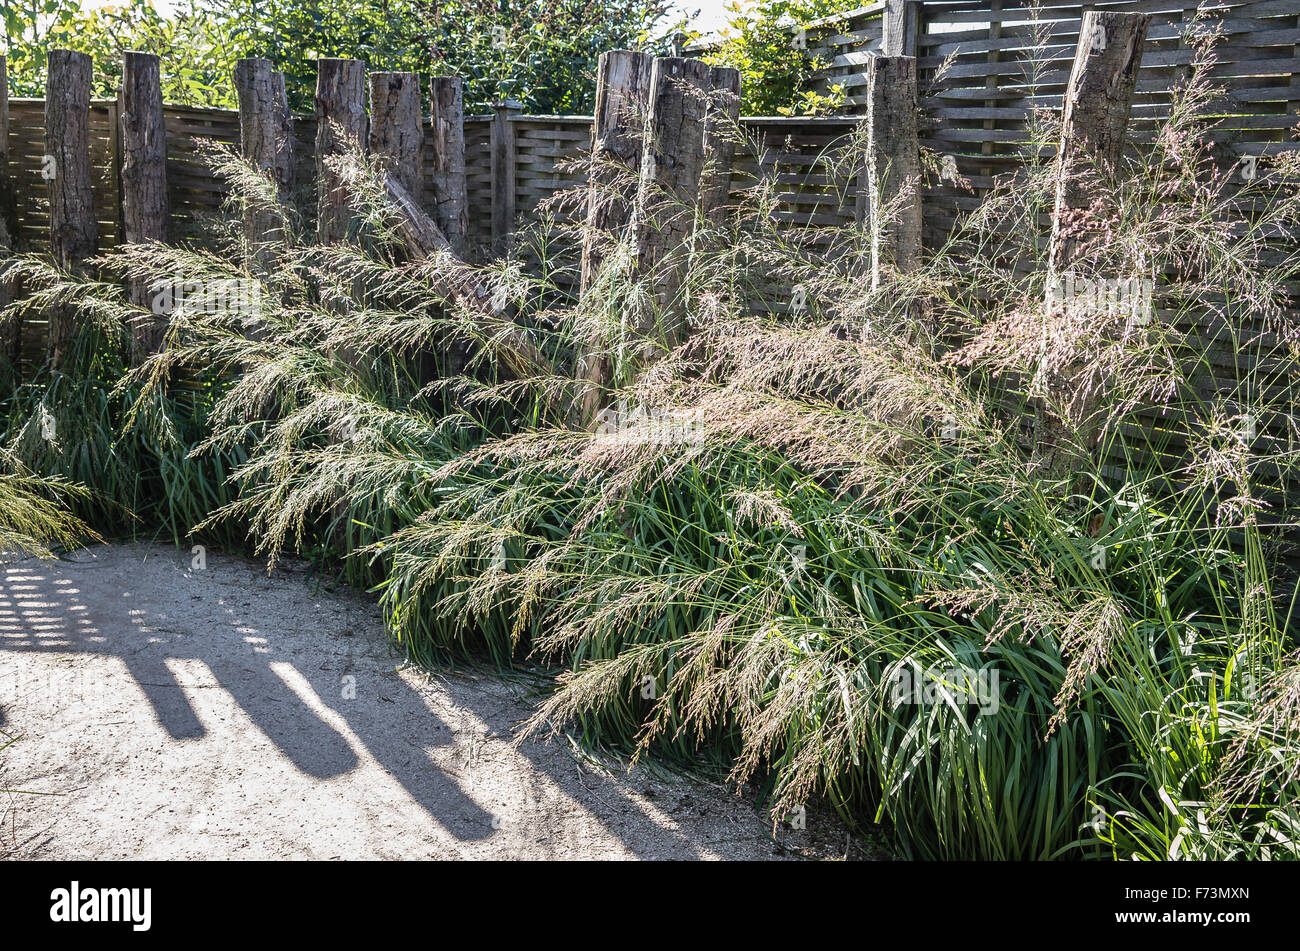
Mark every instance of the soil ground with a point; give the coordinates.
(164, 711)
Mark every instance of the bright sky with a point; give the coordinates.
(711, 16)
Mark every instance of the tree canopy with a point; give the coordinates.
(540, 52)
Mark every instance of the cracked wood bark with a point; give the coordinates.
(340, 125)
(1094, 123)
(720, 127)
(265, 141)
(893, 166)
(73, 231)
(450, 192)
(681, 154)
(144, 180)
(396, 138)
(669, 189)
(10, 337)
(450, 199)
(622, 91)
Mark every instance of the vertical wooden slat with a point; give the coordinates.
(503, 172)
(898, 33)
(450, 191)
(143, 174)
(73, 229)
(719, 142)
(340, 124)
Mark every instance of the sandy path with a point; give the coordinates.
(225, 713)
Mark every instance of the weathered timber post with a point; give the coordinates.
(397, 142)
(450, 191)
(265, 141)
(73, 231)
(622, 93)
(9, 330)
(144, 179)
(892, 170)
(687, 150)
(340, 124)
(396, 138)
(8, 195)
(900, 24)
(1094, 123)
(668, 194)
(719, 142)
(503, 173)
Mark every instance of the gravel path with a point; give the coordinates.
(176, 713)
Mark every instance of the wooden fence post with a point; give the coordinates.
(340, 124)
(618, 126)
(901, 23)
(1094, 122)
(503, 173)
(622, 91)
(9, 331)
(892, 166)
(450, 191)
(8, 194)
(719, 142)
(669, 189)
(144, 179)
(266, 141)
(73, 230)
(396, 138)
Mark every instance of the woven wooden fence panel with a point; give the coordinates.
(478, 176)
(1000, 61)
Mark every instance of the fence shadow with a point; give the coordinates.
(157, 617)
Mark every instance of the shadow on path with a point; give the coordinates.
(285, 656)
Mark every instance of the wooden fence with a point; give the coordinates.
(782, 150)
(985, 66)
(976, 112)
(1002, 59)
(999, 59)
